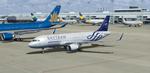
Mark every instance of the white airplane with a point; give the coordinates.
(130, 23)
(67, 21)
(89, 21)
(94, 21)
(71, 41)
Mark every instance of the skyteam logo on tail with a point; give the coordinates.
(95, 36)
(104, 26)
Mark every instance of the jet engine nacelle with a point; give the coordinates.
(6, 36)
(73, 47)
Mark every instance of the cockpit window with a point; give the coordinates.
(35, 40)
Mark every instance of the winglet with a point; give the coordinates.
(120, 37)
(105, 24)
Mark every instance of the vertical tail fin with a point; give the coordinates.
(81, 16)
(104, 26)
(54, 14)
(34, 17)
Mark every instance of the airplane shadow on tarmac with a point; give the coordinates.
(81, 50)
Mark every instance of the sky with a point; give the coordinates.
(28, 6)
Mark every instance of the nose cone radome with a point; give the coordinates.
(32, 45)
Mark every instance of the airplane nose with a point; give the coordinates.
(34, 45)
(31, 45)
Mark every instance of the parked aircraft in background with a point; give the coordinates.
(135, 23)
(15, 19)
(69, 21)
(82, 19)
(12, 31)
(35, 18)
(71, 41)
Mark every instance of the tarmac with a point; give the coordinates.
(130, 55)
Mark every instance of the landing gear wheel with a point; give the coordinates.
(68, 48)
(43, 51)
(129, 25)
(79, 49)
(18, 39)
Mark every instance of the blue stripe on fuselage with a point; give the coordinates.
(24, 26)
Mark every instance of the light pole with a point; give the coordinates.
(112, 2)
(142, 10)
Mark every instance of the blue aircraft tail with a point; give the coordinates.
(105, 24)
(54, 14)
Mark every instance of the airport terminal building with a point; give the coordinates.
(116, 15)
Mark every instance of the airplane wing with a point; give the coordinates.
(23, 32)
(38, 30)
(113, 38)
(63, 24)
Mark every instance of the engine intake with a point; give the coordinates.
(72, 47)
(6, 36)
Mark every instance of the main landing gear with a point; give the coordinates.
(43, 51)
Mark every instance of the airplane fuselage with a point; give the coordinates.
(66, 39)
(94, 21)
(9, 31)
(24, 26)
